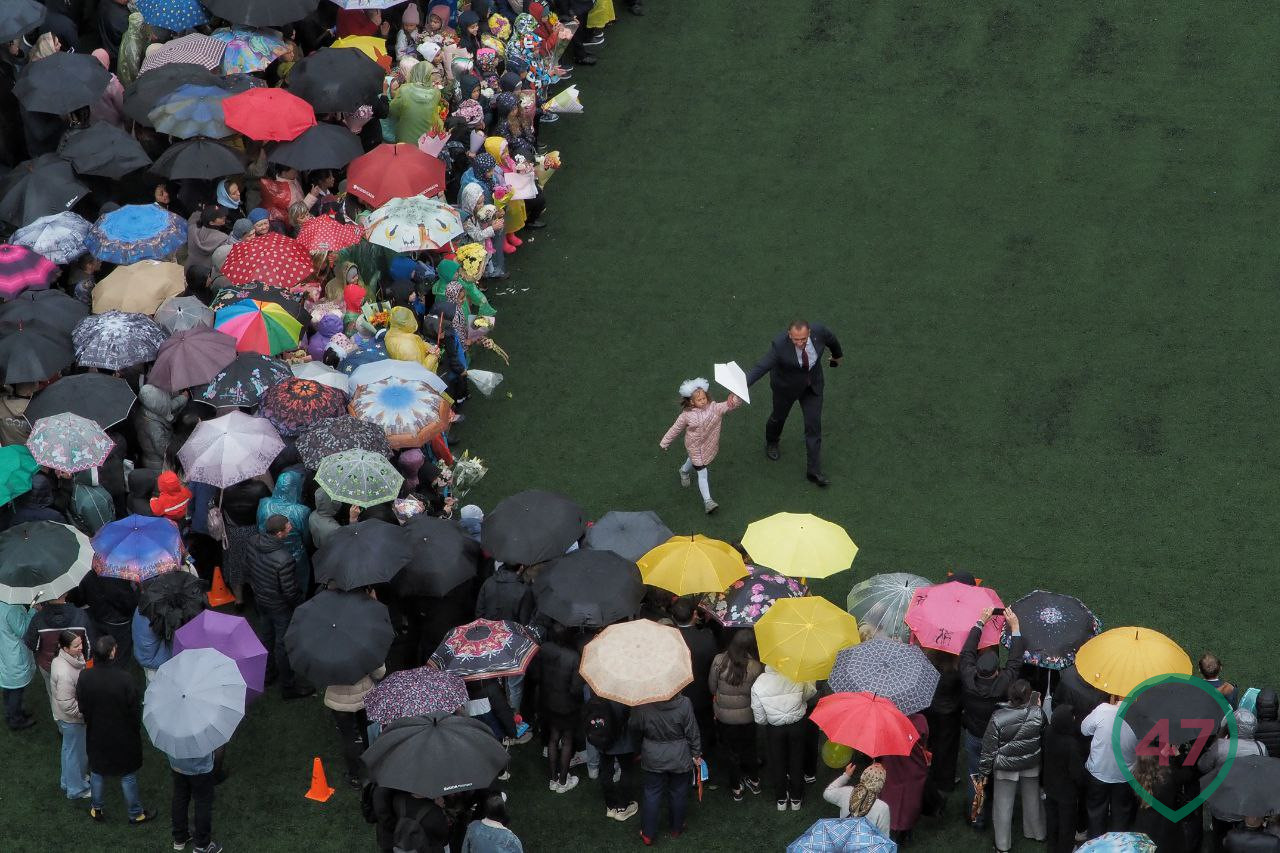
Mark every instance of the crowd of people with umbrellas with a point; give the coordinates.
(247, 259)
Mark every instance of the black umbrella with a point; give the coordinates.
(32, 352)
(1251, 789)
(629, 534)
(41, 560)
(198, 158)
(171, 600)
(531, 527)
(325, 146)
(144, 94)
(103, 149)
(435, 755)
(1168, 704)
(338, 637)
(99, 397)
(245, 380)
(261, 13)
(328, 436)
(61, 83)
(444, 557)
(1053, 627)
(52, 308)
(39, 187)
(362, 554)
(19, 17)
(589, 589)
(336, 79)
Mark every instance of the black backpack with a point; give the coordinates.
(599, 722)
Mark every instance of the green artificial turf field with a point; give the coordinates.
(1043, 233)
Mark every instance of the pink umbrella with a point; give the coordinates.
(234, 637)
(22, 269)
(941, 615)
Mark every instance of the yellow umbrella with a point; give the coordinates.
(1118, 660)
(374, 48)
(799, 545)
(799, 637)
(637, 662)
(687, 565)
(138, 288)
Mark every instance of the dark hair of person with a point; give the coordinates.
(682, 611)
(1150, 775)
(276, 525)
(798, 324)
(495, 808)
(1019, 693)
(104, 646)
(1210, 666)
(738, 656)
(66, 638)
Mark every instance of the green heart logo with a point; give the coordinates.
(1150, 746)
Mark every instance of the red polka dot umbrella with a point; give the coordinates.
(326, 234)
(394, 171)
(270, 258)
(268, 115)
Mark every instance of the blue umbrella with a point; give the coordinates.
(1118, 842)
(136, 232)
(175, 15)
(377, 352)
(842, 835)
(191, 110)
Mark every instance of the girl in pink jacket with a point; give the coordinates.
(700, 421)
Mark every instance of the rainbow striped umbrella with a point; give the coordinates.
(258, 326)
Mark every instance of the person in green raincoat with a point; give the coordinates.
(133, 48)
(286, 500)
(464, 295)
(416, 106)
(17, 664)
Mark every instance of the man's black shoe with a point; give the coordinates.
(818, 479)
(298, 692)
(771, 451)
(537, 223)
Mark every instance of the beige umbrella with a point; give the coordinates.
(637, 662)
(139, 288)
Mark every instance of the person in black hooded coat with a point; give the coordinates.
(1063, 777)
(1267, 710)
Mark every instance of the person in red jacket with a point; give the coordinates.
(173, 500)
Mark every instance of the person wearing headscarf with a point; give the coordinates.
(286, 500)
(438, 17)
(469, 31)
(416, 106)
(526, 47)
(515, 213)
(110, 107)
(229, 196)
(133, 47)
(403, 341)
(862, 799)
(463, 294)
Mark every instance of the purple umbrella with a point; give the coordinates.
(191, 357)
(415, 693)
(234, 637)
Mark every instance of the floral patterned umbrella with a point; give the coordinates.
(749, 598)
(68, 443)
(327, 436)
(245, 380)
(485, 648)
(359, 478)
(115, 340)
(137, 548)
(230, 449)
(249, 50)
(60, 237)
(294, 404)
(413, 693)
(271, 258)
(408, 411)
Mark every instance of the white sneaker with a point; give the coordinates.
(504, 775)
(795, 805)
(782, 805)
(553, 786)
(593, 772)
(625, 813)
(710, 506)
(568, 786)
(685, 479)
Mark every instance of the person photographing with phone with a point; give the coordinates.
(984, 684)
(1011, 753)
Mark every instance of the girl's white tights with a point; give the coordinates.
(704, 482)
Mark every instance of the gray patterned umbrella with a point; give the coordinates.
(116, 340)
(897, 671)
(328, 436)
(882, 601)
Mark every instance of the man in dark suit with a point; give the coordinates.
(794, 365)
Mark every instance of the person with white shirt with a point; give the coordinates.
(1109, 801)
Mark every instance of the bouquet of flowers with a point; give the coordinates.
(501, 195)
(546, 166)
(466, 472)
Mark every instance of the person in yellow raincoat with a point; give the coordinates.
(403, 341)
(516, 214)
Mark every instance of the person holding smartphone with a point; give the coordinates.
(984, 684)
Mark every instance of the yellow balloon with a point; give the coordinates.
(836, 755)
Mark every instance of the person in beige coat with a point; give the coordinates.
(733, 671)
(346, 703)
(64, 673)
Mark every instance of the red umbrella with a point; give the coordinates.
(871, 724)
(270, 258)
(268, 115)
(326, 234)
(394, 171)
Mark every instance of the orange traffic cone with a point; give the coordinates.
(219, 594)
(320, 790)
